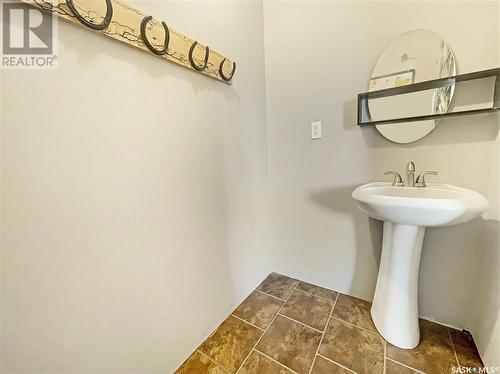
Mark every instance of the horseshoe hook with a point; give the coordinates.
(144, 37)
(94, 26)
(193, 64)
(221, 73)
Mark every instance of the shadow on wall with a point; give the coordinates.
(144, 62)
(456, 130)
(449, 268)
(461, 129)
(440, 243)
(467, 129)
(368, 247)
(486, 298)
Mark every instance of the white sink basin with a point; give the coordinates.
(406, 212)
(434, 205)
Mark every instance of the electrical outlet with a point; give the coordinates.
(316, 130)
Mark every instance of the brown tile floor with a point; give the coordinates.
(287, 326)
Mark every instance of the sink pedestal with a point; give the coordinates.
(406, 212)
(395, 304)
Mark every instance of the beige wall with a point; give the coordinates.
(318, 58)
(134, 197)
(134, 217)
(486, 316)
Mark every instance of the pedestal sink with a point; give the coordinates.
(406, 212)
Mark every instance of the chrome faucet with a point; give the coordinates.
(410, 180)
(410, 174)
(420, 182)
(398, 181)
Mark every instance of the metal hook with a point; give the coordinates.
(100, 26)
(144, 37)
(221, 73)
(193, 64)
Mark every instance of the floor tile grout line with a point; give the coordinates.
(243, 320)
(453, 347)
(333, 308)
(292, 291)
(385, 356)
(323, 335)
(263, 331)
(321, 297)
(213, 361)
(275, 297)
(267, 328)
(359, 327)
(335, 303)
(406, 366)
(301, 323)
(272, 359)
(298, 289)
(336, 363)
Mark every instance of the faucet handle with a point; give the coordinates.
(398, 181)
(421, 178)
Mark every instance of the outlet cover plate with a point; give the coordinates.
(316, 130)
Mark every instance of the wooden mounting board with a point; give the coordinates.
(125, 26)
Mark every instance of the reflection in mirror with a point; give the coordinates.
(416, 56)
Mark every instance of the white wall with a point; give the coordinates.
(134, 197)
(319, 56)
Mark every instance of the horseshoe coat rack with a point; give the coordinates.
(120, 21)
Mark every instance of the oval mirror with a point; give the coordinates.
(416, 56)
